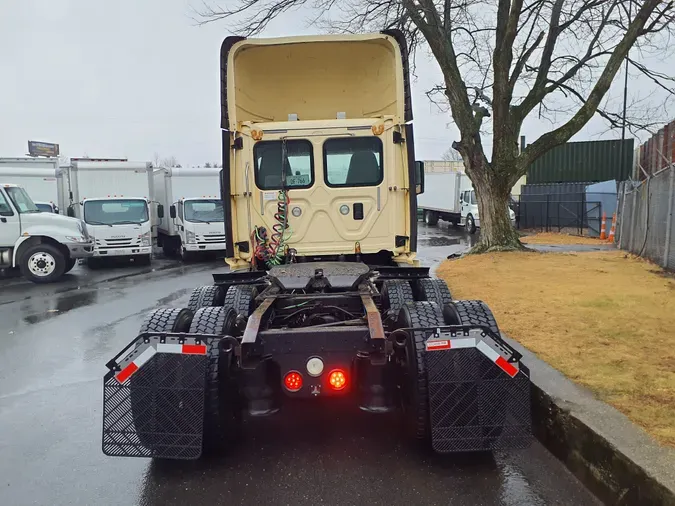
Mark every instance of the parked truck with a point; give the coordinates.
(449, 196)
(43, 246)
(190, 217)
(40, 177)
(113, 197)
(325, 297)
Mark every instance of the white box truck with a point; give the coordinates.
(112, 196)
(450, 197)
(44, 246)
(40, 177)
(190, 218)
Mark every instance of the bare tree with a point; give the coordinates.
(207, 165)
(170, 161)
(451, 155)
(156, 159)
(502, 61)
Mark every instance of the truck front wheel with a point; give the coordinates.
(470, 224)
(70, 263)
(42, 263)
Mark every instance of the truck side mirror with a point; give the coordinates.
(160, 211)
(70, 211)
(419, 177)
(172, 212)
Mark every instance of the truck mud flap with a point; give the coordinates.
(153, 398)
(479, 393)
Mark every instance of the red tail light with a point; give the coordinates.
(337, 379)
(293, 381)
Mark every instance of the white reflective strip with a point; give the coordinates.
(487, 351)
(468, 342)
(144, 357)
(169, 348)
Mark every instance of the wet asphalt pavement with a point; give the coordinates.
(55, 340)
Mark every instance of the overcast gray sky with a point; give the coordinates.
(129, 78)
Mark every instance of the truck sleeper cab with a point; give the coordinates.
(44, 246)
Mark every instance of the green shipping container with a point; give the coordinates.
(591, 161)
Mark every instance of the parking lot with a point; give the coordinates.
(55, 340)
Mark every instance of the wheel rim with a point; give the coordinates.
(41, 264)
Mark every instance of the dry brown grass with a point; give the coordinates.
(606, 320)
(555, 238)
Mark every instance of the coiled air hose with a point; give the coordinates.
(272, 251)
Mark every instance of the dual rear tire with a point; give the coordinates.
(221, 413)
(414, 382)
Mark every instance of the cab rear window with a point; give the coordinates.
(295, 157)
(353, 161)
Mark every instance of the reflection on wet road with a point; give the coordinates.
(54, 342)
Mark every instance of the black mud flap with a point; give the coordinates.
(153, 398)
(479, 393)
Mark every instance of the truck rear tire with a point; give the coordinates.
(241, 298)
(396, 293)
(158, 320)
(431, 218)
(473, 312)
(222, 413)
(206, 296)
(433, 290)
(42, 263)
(414, 384)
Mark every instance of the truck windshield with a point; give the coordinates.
(204, 211)
(115, 212)
(298, 164)
(21, 200)
(355, 161)
(44, 208)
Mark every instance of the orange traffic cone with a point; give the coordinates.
(603, 228)
(612, 229)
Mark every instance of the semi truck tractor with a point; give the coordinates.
(324, 298)
(190, 219)
(42, 178)
(450, 196)
(44, 246)
(113, 197)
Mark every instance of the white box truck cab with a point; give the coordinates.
(112, 196)
(44, 246)
(40, 177)
(450, 196)
(190, 218)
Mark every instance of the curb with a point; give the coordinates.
(615, 459)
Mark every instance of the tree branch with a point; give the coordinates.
(563, 133)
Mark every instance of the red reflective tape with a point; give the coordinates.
(126, 373)
(438, 345)
(507, 367)
(194, 349)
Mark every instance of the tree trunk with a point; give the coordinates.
(492, 191)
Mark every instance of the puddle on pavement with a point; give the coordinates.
(63, 304)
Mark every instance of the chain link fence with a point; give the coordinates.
(646, 226)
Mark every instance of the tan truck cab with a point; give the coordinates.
(318, 152)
